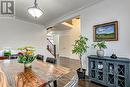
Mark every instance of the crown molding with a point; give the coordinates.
(71, 14)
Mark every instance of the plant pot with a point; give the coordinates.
(81, 74)
(28, 65)
(100, 53)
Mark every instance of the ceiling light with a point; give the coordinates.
(67, 24)
(35, 11)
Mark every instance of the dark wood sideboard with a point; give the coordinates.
(6, 57)
(109, 72)
(3, 57)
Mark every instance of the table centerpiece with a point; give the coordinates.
(26, 56)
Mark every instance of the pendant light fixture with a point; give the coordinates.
(35, 11)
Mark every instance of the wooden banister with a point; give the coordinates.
(51, 48)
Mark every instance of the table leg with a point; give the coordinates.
(55, 83)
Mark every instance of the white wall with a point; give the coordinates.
(16, 33)
(56, 42)
(107, 11)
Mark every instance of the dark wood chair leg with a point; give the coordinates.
(49, 85)
(55, 83)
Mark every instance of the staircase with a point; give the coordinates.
(51, 47)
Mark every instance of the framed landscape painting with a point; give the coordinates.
(106, 32)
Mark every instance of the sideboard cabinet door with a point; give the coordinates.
(110, 74)
(97, 70)
(92, 69)
(101, 66)
(121, 74)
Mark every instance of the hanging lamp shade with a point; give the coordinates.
(35, 11)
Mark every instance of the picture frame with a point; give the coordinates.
(106, 32)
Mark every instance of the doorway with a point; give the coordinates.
(64, 35)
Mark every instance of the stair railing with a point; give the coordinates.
(51, 47)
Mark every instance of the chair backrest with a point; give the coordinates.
(40, 57)
(73, 82)
(13, 56)
(51, 60)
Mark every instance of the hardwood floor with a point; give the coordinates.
(73, 64)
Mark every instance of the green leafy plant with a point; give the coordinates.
(7, 53)
(26, 55)
(80, 47)
(101, 45)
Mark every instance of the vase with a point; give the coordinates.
(27, 65)
(100, 53)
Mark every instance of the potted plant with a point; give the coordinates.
(100, 45)
(80, 47)
(7, 53)
(26, 56)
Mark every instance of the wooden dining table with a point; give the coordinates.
(13, 74)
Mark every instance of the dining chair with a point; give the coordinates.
(40, 57)
(51, 60)
(13, 56)
(52, 84)
(73, 82)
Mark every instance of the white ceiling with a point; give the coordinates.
(53, 9)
